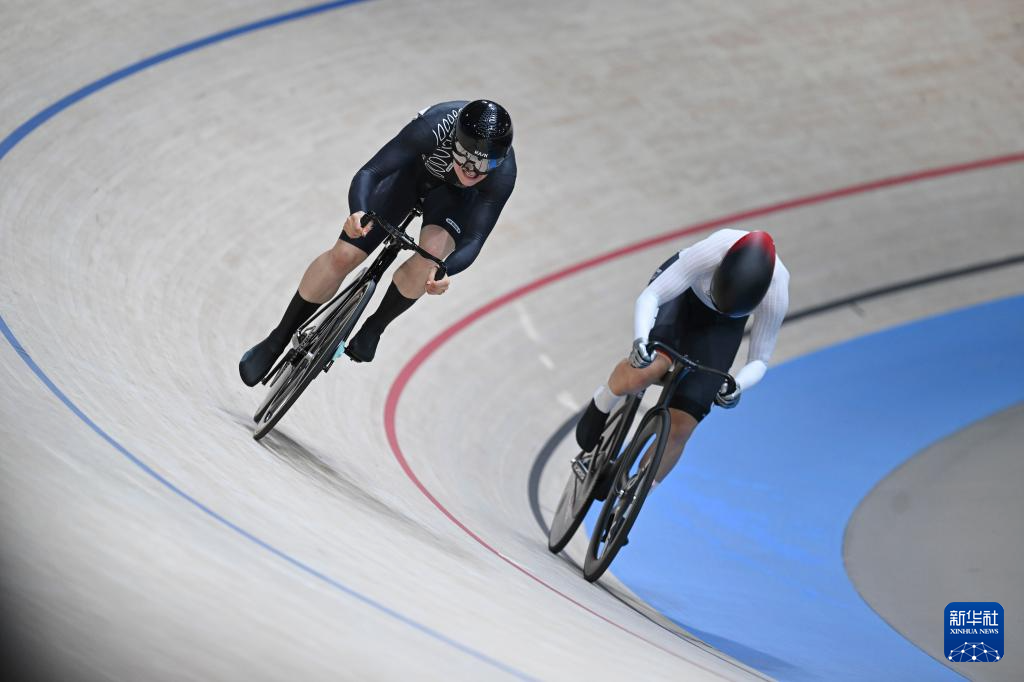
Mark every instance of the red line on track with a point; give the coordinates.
(424, 353)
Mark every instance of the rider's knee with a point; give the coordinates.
(637, 380)
(436, 241)
(683, 426)
(417, 265)
(344, 258)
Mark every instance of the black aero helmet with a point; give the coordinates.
(483, 135)
(744, 275)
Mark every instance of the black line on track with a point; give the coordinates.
(908, 284)
(533, 485)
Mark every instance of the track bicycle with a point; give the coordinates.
(620, 473)
(321, 339)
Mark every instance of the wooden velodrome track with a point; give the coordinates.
(152, 228)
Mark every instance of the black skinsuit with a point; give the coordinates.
(416, 166)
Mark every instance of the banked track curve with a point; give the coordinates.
(394, 395)
(420, 358)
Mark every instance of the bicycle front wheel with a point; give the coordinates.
(310, 359)
(630, 485)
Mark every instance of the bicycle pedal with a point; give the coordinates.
(579, 469)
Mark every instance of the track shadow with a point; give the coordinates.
(305, 460)
(681, 631)
(755, 658)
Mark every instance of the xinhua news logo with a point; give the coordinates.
(974, 631)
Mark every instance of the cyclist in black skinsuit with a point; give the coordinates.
(455, 160)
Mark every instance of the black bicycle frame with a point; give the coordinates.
(396, 242)
(681, 367)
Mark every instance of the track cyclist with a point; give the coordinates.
(698, 302)
(455, 162)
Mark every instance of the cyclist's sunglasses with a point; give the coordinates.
(473, 163)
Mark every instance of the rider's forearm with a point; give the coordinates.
(475, 231)
(403, 149)
(750, 374)
(462, 257)
(644, 314)
(768, 319)
(676, 279)
(384, 163)
(360, 189)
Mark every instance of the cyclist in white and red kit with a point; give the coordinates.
(698, 302)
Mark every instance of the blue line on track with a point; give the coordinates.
(22, 131)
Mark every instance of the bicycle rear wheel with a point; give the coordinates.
(308, 360)
(630, 485)
(579, 493)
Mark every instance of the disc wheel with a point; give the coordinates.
(630, 484)
(309, 360)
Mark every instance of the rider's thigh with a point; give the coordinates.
(655, 371)
(346, 257)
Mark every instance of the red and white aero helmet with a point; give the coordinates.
(744, 275)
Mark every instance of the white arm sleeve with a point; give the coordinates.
(751, 373)
(764, 332)
(645, 313)
(693, 261)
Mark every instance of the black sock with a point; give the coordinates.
(298, 310)
(393, 305)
